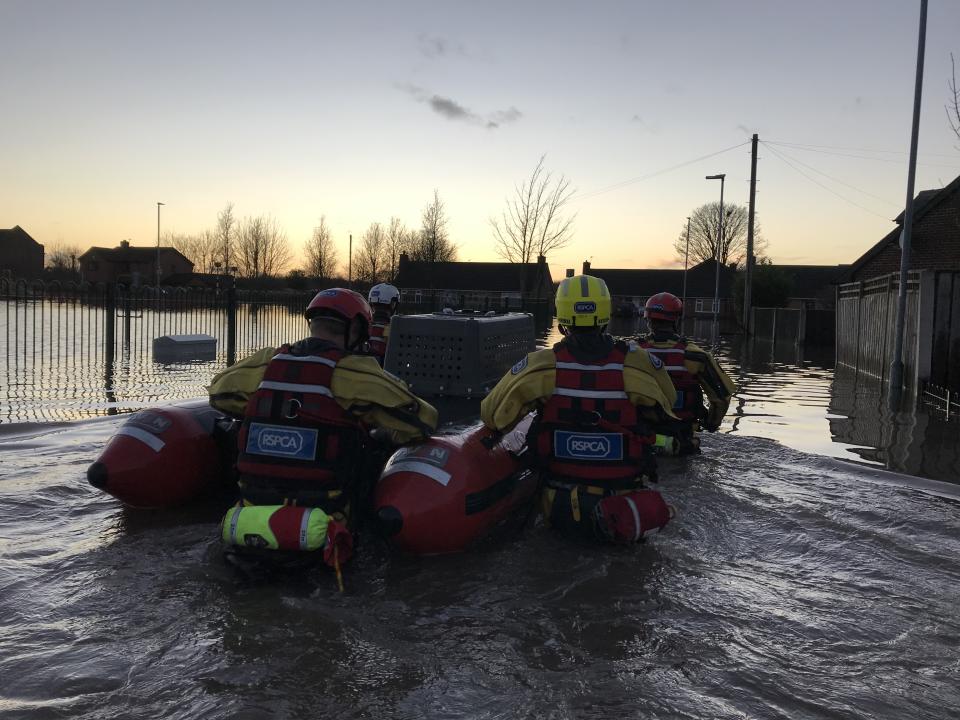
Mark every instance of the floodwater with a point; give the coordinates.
(787, 586)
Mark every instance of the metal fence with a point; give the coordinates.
(79, 349)
(793, 325)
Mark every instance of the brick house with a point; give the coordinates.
(20, 255)
(136, 265)
(935, 241)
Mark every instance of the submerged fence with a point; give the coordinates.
(73, 350)
(793, 325)
(866, 323)
(77, 349)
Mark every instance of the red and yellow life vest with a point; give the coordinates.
(588, 431)
(688, 405)
(297, 445)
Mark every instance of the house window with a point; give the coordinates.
(93, 265)
(702, 306)
(418, 297)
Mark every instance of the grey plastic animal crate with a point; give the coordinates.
(184, 348)
(459, 354)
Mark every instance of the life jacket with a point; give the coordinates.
(297, 445)
(588, 432)
(688, 405)
(379, 331)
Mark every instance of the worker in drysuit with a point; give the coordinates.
(384, 300)
(694, 372)
(595, 402)
(314, 416)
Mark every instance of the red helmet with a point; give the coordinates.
(340, 301)
(663, 306)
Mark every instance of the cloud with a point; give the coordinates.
(453, 110)
(432, 46)
(450, 108)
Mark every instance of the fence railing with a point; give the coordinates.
(79, 349)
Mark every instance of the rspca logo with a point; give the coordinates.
(516, 369)
(279, 441)
(584, 307)
(588, 446)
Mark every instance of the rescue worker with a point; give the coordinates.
(694, 373)
(595, 401)
(384, 299)
(311, 409)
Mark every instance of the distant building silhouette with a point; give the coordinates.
(135, 265)
(20, 255)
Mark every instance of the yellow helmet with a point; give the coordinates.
(583, 301)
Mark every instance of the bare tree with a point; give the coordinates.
(705, 230)
(199, 249)
(262, 248)
(398, 241)
(433, 242)
(953, 103)
(226, 233)
(372, 259)
(535, 220)
(62, 257)
(320, 251)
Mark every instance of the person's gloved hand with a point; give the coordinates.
(714, 417)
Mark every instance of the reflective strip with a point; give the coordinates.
(154, 443)
(584, 286)
(598, 394)
(306, 358)
(636, 518)
(234, 519)
(377, 340)
(422, 468)
(581, 366)
(304, 523)
(295, 387)
(675, 368)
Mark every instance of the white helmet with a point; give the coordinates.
(384, 294)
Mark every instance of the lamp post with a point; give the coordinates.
(686, 257)
(158, 247)
(716, 286)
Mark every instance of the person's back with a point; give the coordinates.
(310, 406)
(595, 399)
(703, 388)
(384, 300)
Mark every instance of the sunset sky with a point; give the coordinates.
(360, 110)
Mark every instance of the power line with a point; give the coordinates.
(806, 146)
(624, 183)
(836, 180)
(817, 182)
(896, 161)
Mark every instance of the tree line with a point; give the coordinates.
(256, 247)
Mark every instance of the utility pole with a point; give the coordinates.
(158, 248)
(748, 278)
(896, 366)
(350, 263)
(686, 257)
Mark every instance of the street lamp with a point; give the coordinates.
(158, 246)
(686, 257)
(716, 286)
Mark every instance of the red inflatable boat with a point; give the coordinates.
(432, 498)
(440, 496)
